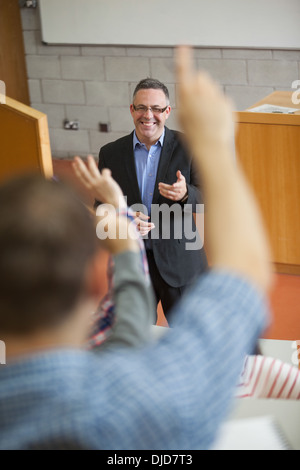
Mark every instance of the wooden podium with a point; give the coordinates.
(268, 147)
(25, 145)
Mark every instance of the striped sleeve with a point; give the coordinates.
(266, 377)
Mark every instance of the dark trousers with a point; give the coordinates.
(165, 293)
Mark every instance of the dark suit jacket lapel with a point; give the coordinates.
(165, 158)
(130, 171)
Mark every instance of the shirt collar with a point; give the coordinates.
(136, 140)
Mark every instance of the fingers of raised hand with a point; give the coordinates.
(87, 173)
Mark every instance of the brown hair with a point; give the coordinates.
(47, 237)
(151, 83)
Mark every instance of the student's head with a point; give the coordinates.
(150, 109)
(47, 244)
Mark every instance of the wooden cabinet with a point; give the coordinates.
(268, 147)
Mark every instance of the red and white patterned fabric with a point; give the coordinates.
(266, 377)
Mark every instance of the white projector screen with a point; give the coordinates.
(271, 24)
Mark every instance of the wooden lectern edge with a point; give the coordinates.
(266, 118)
(41, 120)
(22, 108)
(44, 149)
(277, 98)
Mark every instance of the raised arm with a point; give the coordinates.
(235, 232)
(190, 374)
(132, 296)
(187, 380)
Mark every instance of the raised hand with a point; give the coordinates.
(100, 185)
(205, 113)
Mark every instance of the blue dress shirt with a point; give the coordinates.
(146, 164)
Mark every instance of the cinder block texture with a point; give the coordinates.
(69, 141)
(63, 91)
(245, 96)
(121, 120)
(226, 71)
(35, 90)
(55, 113)
(272, 72)
(39, 66)
(95, 83)
(126, 68)
(107, 93)
(82, 68)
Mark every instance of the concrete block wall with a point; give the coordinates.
(94, 84)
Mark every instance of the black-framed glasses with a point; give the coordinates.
(154, 109)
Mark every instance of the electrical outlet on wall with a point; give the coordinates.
(71, 125)
(28, 3)
(104, 127)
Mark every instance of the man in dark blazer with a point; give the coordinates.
(156, 175)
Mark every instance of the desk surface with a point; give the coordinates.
(286, 414)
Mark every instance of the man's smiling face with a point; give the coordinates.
(149, 125)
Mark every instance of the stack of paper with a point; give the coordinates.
(270, 108)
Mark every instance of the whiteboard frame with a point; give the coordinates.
(267, 24)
